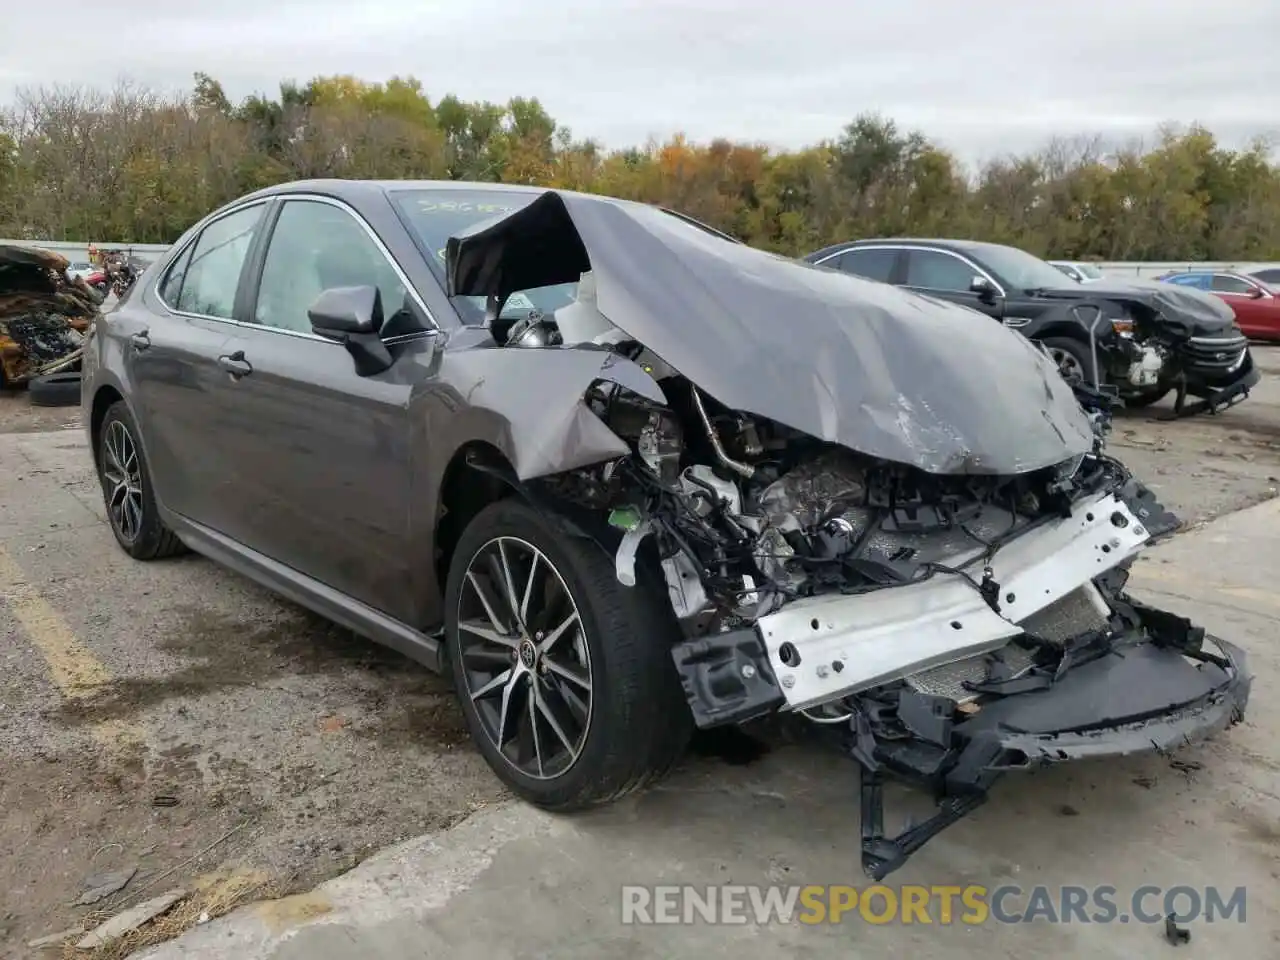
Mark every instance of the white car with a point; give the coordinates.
(80, 269)
(1078, 270)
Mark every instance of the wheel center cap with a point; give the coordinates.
(528, 654)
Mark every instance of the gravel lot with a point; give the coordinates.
(150, 712)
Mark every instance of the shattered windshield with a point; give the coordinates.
(1020, 269)
(436, 215)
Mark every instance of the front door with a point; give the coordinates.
(319, 456)
(1248, 301)
(947, 276)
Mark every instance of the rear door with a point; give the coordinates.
(320, 456)
(171, 358)
(870, 263)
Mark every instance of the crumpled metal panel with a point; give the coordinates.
(866, 365)
(1182, 309)
(43, 314)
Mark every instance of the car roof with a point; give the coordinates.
(1203, 271)
(945, 243)
(357, 191)
(364, 189)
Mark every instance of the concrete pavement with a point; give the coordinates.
(512, 882)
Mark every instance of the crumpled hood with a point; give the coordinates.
(871, 367)
(1183, 310)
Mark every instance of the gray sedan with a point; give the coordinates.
(622, 477)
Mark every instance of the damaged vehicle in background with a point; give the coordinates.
(1135, 338)
(44, 312)
(621, 476)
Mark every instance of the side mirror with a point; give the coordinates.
(1255, 293)
(353, 316)
(983, 288)
(346, 310)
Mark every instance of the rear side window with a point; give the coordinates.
(171, 287)
(873, 263)
(1198, 280)
(211, 273)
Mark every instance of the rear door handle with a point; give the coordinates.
(140, 341)
(235, 364)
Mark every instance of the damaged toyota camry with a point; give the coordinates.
(621, 476)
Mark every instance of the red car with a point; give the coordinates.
(1256, 305)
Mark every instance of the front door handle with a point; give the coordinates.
(235, 364)
(140, 341)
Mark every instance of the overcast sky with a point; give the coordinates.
(985, 77)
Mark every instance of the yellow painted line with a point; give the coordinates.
(74, 669)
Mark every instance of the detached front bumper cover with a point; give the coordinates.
(1140, 694)
(1214, 394)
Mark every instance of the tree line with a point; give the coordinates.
(129, 165)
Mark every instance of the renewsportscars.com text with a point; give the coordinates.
(915, 904)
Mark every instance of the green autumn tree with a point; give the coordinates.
(129, 165)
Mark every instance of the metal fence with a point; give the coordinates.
(1152, 269)
(78, 252)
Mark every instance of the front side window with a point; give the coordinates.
(211, 274)
(939, 271)
(316, 246)
(1223, 283)
(872, 263)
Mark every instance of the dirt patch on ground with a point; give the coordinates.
(17, 415)
(304, 746)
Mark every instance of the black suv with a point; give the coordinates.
(1140, 337)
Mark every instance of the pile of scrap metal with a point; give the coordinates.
(43, 315)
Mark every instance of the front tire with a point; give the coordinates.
(127, 490)
(564, 674)
(1072, 357)
(1145, 398)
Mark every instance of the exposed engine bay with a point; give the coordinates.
(942, 628)
(749, 515)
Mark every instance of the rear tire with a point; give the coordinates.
(574, 745)
(55, 390)
(127, 490)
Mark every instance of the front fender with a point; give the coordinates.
(525, 403)
(528, 403)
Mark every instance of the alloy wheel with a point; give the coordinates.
(1068, 364)
(123, 475)
(524, 657)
